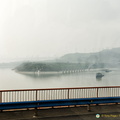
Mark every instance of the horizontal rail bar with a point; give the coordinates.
(59, 88)
(66, 102)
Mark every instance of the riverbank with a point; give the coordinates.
(57, 72)
(44, 73)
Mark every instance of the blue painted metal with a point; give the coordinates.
(61, 102)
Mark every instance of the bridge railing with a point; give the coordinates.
(58, 93)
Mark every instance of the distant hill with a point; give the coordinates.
(46, 67)
(104, 58)
(108, 58)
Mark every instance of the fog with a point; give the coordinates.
(52, 28)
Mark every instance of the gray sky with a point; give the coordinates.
(52, 28)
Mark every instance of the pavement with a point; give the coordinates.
(103, 112)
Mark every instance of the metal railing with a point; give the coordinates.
(58, 93)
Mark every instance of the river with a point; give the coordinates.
(9, 79)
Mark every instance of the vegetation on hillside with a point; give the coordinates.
(35, 66)
(76, 61)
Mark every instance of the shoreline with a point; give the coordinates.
(28, 72)
(61, 72)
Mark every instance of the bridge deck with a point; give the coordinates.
(71, 113)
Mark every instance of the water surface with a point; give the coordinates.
(9, 79)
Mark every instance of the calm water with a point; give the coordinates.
(9, 79)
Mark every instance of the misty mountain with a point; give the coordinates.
(104, 58)
(109, 58)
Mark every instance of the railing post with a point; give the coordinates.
(97, 92)
(88, 108)
(36, 95)
(0, 97)
(68, 93)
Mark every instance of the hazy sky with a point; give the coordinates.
(52, 28)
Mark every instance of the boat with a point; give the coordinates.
(99, 75)
(106, 70)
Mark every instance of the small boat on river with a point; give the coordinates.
(106, 70)
(99, 75)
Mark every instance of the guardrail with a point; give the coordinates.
(63, 102)
(58, 93)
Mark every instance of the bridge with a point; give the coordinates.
(36, 98)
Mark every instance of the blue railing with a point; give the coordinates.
(61, 102)
(34, 98)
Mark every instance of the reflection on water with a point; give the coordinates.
(12, 80)
(48, 75)
(98, 78)
(36, 75)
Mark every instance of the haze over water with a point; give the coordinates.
(44, 29)
(9, 79)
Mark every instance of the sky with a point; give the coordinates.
(52, 28)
